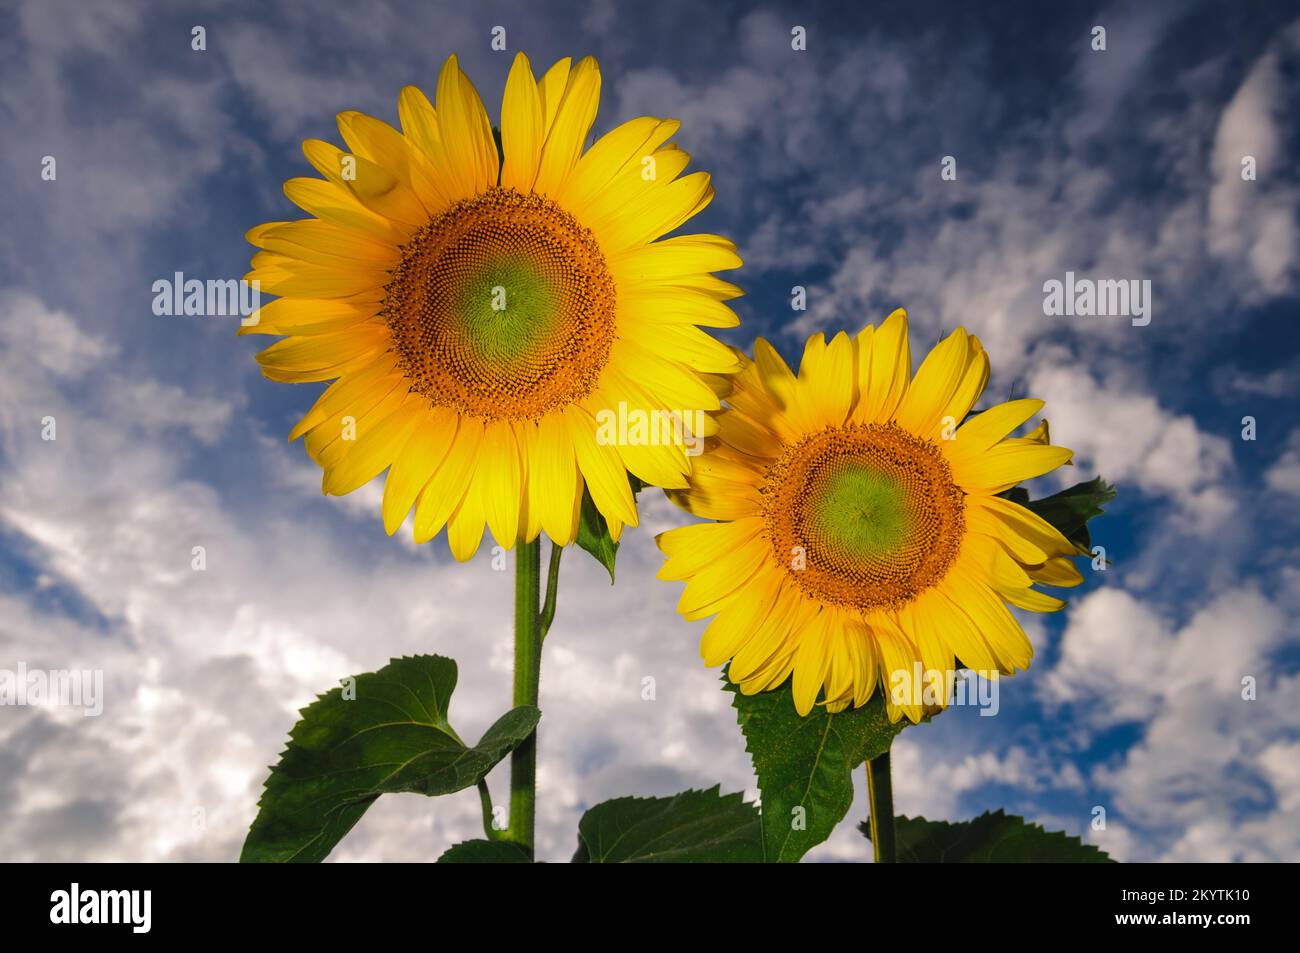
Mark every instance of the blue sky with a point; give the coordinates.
(1123, 163)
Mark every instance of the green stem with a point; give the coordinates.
(880, 791)
(485, 801)
(552, 588)
(528, 670)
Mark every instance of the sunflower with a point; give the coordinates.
(859, 528)
(477, 309)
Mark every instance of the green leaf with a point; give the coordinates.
(807, 763)
(691, 827)
(593, 535)
(1070, 510)
(391, 735)
(990, 838)
(593, 531)
(486, 852)
(1017, 494)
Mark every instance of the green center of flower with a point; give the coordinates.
(507, 312)
(864, 516)
(858, 511)
(502, 307)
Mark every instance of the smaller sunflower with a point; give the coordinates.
(859, 528)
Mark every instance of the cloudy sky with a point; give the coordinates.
(1124, 163)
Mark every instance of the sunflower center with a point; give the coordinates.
(866, 517)
(502, 307)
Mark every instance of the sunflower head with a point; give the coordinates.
(479, 310)
(857, 533)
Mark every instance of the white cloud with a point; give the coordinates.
(1129, 437)
(1254, 221)
(1283, 476)
(1279, 382)
(1106, 78)
(1208, 780)
(1205, 749)
(1111, 651)
(1121, 660)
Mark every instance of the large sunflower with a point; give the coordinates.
(477, 310)
(860, 530)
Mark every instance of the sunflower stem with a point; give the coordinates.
(880, 791)
(528, 670)
(552, 588)
(485, 801)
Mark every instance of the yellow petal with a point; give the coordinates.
(668, 382)
(984, 430)
(1056, 572)
(959, 633)
(465, 132)
(1027, 525)
(778, 634)
(416, 463)
(692, 549)
(375, 187)
(465, 527)
(720, 489)
(551, 87)
(374, 449)
(568, 130)
(419, 121)
(323, 243)
(305, 316)
(675, 259)
(328, 201)
(748, 436)
(328, 446)
(925, 632)
(353, 393)
(658, 208)
(383, 145)
(445, 490)
(500, 481)
(812, 662)
(890, 367)
(897, 659)
(661, 306)
(617, 157)
(714, 585)
(601, 468)
(936, 381)
(984, 521)
(990, 616)
(554, 483)
(826, 379)
(285, 276)
(735, 624)
(971, 386)
(522, 128)
(684, 343)
(530, 510)
(1001, 468)
(324, 350)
